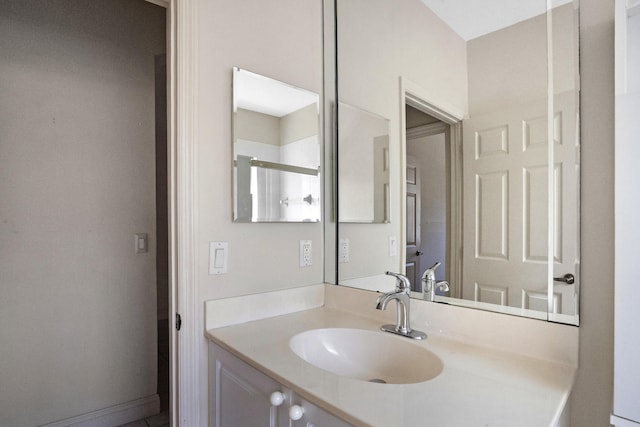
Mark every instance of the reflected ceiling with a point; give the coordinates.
(477, 18)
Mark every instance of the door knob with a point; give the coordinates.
(418, 253)
(568, 278)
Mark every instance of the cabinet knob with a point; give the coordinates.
(277, 398)
(296, 412)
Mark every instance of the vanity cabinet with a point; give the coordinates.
(242, 396)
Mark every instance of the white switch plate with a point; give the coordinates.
(141, 241)
(218, 254)
(343, 250)
(393, 246)
(306, 258)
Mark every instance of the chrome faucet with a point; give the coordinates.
(429, 284)
(401, 296)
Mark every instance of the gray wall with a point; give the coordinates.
(77, 180)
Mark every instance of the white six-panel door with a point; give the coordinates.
(506, 207)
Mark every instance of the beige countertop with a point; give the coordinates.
(479, 386)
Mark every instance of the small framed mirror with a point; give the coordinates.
(276, 151)
(364, 166)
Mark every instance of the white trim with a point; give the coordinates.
(456, 178)
(184, 173)
(174, 408)
(115, 415)
(551, 188)
(427, 130)
(417, 97)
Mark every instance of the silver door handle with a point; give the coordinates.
(568, 278)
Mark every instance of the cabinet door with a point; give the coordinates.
(240, 394)
(314, 416)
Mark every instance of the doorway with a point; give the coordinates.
(162, 231)
(78, 228)
(432, 158)
(427, 194)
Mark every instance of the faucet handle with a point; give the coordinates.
(443, 286)
(402, 283)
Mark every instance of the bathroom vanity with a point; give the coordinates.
(245, 396)
(257, 379)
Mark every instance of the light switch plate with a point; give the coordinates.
(393, 246)
(218, 255)
(141, 241)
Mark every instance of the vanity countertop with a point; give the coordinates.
(479, 386)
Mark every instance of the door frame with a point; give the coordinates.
(414, 95)
(184, 346)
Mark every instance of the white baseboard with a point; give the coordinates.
(113, 416)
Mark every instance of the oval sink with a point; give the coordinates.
(367, 355)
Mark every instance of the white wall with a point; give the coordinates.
(281, 39)
(374, 50)
(499, 65)
(627, 199)
(77, 180)
(288, 47)
(591, 399)
(592, 395)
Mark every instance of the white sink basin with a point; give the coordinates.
(367, 355)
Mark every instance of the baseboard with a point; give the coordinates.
(113, 416)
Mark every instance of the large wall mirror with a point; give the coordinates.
(276, 150)
(479, 170)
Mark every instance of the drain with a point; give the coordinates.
(377, 380)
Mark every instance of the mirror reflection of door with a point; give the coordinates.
(506, 207)
(413, 200)
(566, 245)
(427, 197)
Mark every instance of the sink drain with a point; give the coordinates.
(377, 380)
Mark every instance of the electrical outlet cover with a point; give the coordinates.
(344, 251)
(305, 253)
